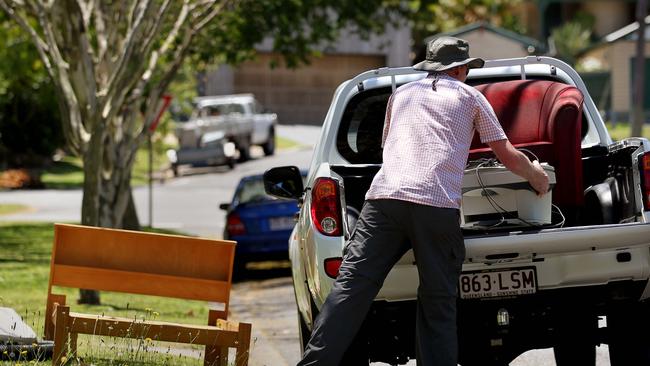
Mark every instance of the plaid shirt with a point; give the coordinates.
(427, 134)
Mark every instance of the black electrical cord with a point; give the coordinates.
(500, 210)
(497, 208)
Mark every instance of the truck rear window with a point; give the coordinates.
(359, 136)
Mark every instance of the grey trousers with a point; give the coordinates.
(385, 231)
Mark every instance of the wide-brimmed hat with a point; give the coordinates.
(444, 53)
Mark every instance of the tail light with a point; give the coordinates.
(235, 226)
(326, 206)
(332, 266)
(644, 171)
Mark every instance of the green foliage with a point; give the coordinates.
(30, 127)
(573, 37)
(299, 29)
(435, 16)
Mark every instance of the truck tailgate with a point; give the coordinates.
(573, 256)
(558, 241)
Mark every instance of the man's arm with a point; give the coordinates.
(519, 164)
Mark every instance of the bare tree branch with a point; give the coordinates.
(201, 17)
(215, 11)
(155, 55)
(102, 43)
(140, 49)
(72, 34)
(79, 135)
(133, 36)
(86, 11)
(155, 94)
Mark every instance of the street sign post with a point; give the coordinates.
(152, 128)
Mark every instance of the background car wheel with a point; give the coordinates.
(244, 150)
(269, 146)
(239, 270)
(231, 163)
(175, 170)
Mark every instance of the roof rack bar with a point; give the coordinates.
(523, 72)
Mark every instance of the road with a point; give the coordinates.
(190, 204)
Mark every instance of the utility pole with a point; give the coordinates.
(639, 66)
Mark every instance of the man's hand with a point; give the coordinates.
(519, 164)
(539, 179)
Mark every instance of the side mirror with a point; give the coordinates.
(224, 206)
(284, 182)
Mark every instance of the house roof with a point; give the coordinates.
(526, 42)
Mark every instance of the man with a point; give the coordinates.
(413, 202)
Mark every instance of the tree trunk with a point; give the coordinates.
(108, 200)
(131, 221)
(92, 164)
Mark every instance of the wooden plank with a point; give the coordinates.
(154, 330)
(228, 325)
(61, 320)
(243, 344)
(52, 299)
(144, 252)
(141, 283)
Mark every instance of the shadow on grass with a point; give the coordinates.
(64, 174)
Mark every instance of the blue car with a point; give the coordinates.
(259, 223)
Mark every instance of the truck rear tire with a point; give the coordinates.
(303, 332)
(357, 353)
(303, 329)
(576, 339)
(628, 338)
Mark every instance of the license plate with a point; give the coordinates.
(495, 283)
(281, 223)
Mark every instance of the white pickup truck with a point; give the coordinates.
(524, 286)
(219, 122)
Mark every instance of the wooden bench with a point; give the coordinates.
(148, 264)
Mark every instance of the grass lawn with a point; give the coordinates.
(68, 172)
(25, 250)
(284, 143)
(622, 130)
(6, 209)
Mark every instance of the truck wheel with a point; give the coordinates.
(231, 163)
(303, 332)
(269, 146)
(576, 342)
(357, 353)
(578, 353)
(628, 338)
(245, 150)
(175, 170)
